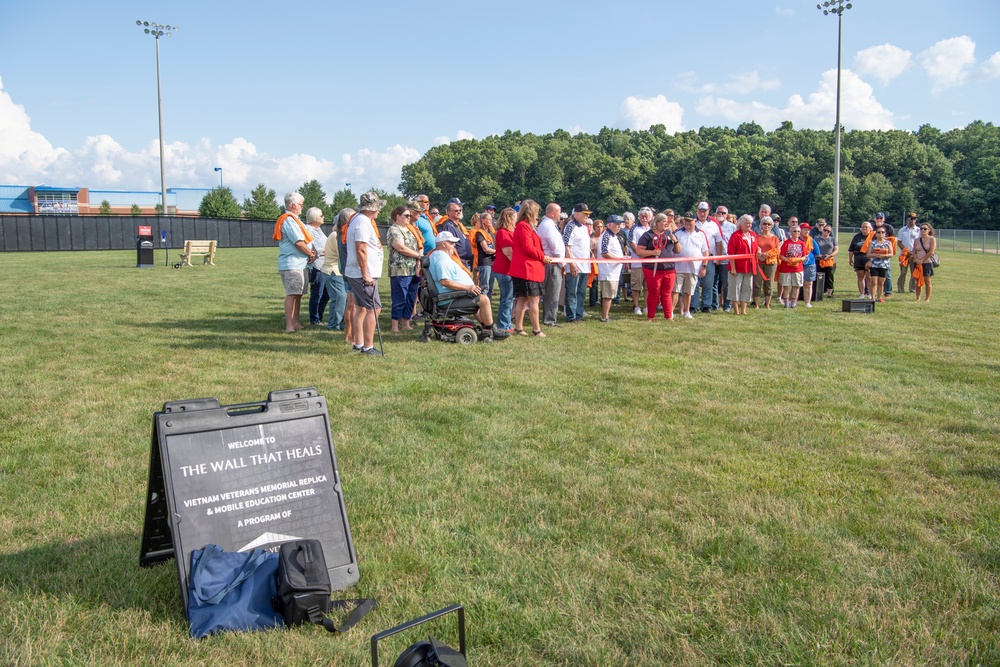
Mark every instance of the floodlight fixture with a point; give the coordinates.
(157, 31)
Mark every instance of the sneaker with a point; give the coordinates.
(357, 348)
(688, 315)
(499, 333)
(371, 352)
(637, 311)
(587, 315)
(706, 309)
(809, 305)
(605, 319)
(888, 295)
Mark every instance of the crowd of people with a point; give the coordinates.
(547, 264)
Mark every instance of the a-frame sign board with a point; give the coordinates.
(245, 476)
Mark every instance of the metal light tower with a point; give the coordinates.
(219, 169)
(157, 30)
(837, 7)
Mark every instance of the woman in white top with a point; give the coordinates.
(317, 280)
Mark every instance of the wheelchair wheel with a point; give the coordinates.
(466, 335)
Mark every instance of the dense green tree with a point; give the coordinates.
(314, 195)
(949, 178)
(261, 204)
(219, 203)
(136, 209)
(104, 208)
(343, 199)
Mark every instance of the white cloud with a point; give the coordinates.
(858, 106)
(640, 113)
(784, 11)
(991, 68)
(740, 84)
(22, 150)
(948, 62)
(28, 158)
(884, 62)
(459, 136)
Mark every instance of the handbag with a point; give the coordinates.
(935, 260)
(304, 588)
(231, 591)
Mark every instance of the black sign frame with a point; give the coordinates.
(222, 474)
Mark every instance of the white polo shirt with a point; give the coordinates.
(693, 244)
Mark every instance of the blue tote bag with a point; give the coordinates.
(231, 591)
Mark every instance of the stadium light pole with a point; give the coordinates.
(219, 169)
(157, 30)
(829, 8)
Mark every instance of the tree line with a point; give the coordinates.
(262, 204)
(949, 178)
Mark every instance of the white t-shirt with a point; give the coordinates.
(362, 231)
(552, 242)
(694, 244)
(579, 246)
(609, 246)
(714, 234)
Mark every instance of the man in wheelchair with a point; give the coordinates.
(448, 275)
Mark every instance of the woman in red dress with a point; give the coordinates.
(527, 268)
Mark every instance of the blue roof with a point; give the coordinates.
(14, 199)
(47, 188)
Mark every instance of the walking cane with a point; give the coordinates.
(377, 327)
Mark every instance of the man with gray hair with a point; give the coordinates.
(294, 255)
(552, 246)
(638, 279)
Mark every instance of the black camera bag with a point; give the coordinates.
(304, 588)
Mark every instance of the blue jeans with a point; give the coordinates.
(485, 280)
(506, 307)
(706, 288)
(338, 301)
(576, 295)
(317, 296)
(404, 295)
(721, 286)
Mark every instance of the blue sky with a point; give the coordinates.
(281, 93)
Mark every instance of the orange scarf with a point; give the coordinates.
(475, 244)
(904, 258)
(871, 237)
(917, 273)
(281, 220)
(417, 235)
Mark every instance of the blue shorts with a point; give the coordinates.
(809, 273)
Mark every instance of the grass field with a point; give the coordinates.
(790, 488)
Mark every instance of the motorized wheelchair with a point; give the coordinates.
(447, 316)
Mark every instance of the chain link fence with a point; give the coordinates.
(982, 241)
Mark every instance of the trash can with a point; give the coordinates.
(144, 248)
(819, 287)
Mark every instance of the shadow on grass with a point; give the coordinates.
(989, 474)
(100, 571)
(227, 331)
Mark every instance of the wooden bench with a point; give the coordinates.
(206, 248)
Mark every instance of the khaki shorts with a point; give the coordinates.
(294, 281)
(686, 283)
(609, 289)
(790, 279)
(638, 279)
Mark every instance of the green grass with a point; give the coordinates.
(793, 487)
